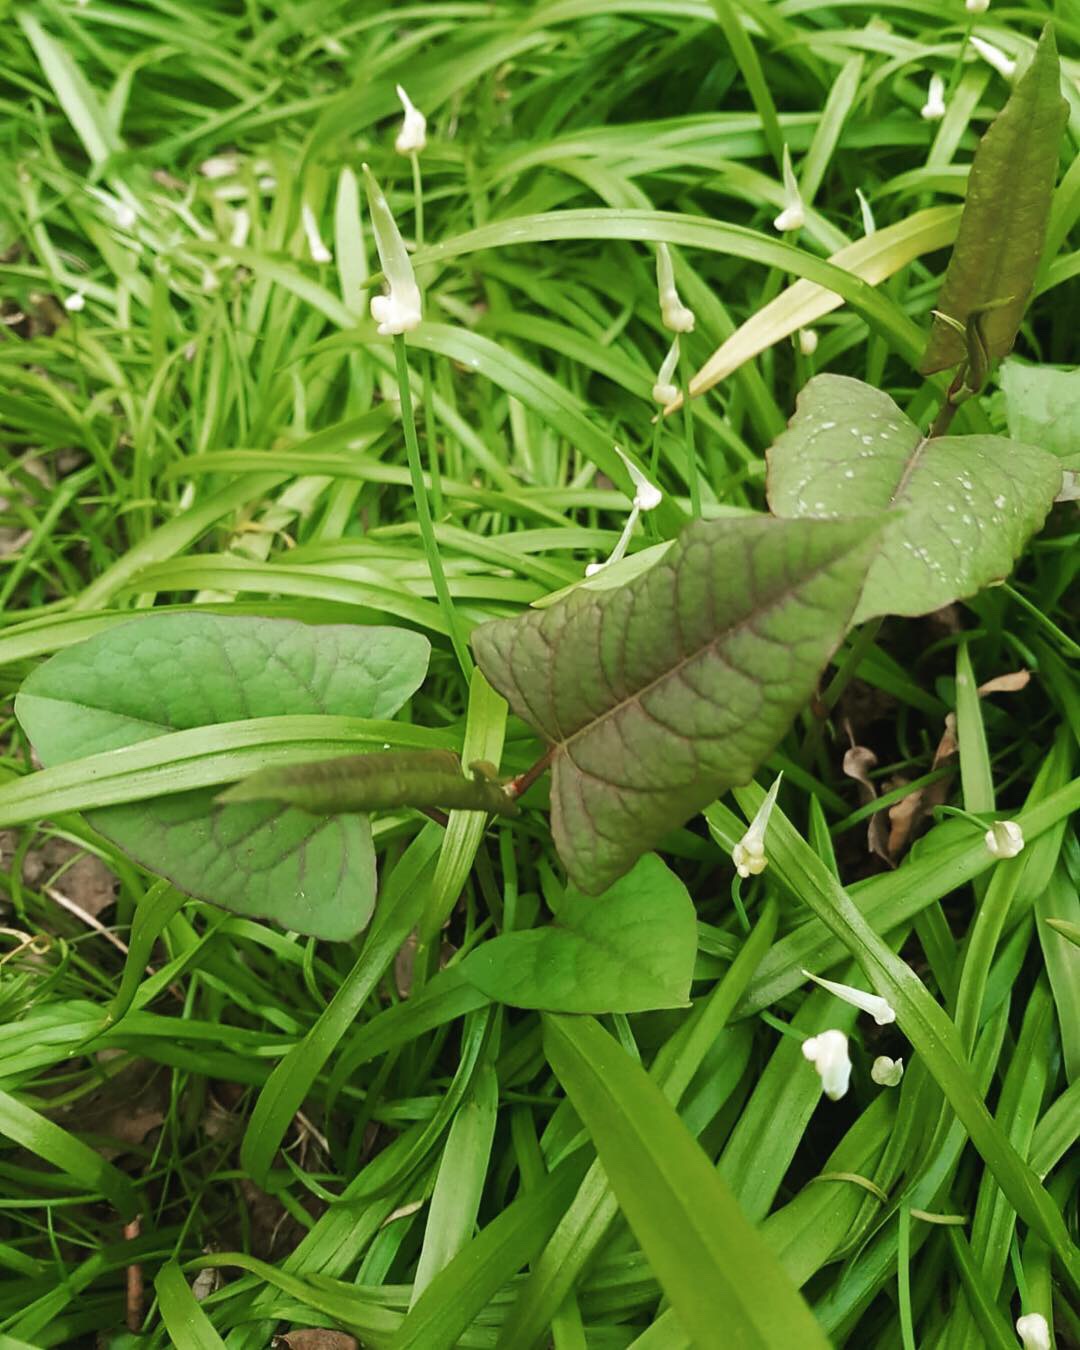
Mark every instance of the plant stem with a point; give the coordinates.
(418, 200)
(944, 418)
(518, 786)
(691, 455)
(423, 511)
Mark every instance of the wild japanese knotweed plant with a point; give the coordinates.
(396, 313)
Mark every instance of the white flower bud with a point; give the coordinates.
(976, 6)
(318, 250)
(412, 137)
(401, 310)
(1004, 839)
(674, 314)
(75, 303)
(994, 56)
(1034, 1331)
(879, 1009)
(647, 495)
(933, 110)
(808, 341)
(664, 390)
(829, 1055)
(793, 216)
(748, 855)
(887, 1072)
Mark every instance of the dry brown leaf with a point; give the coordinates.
(1006, 684)
(316, 1338)
(858, 761)
(906, 815)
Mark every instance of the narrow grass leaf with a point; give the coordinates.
(713, 1265)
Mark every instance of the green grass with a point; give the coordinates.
(210, 429)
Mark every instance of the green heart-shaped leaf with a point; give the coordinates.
(660, 695)
(172, 672)
(965, 505)
(629, 950)
(1042, 406)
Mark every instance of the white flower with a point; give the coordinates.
(75, 303)
(664, 391)
(400, 311)
(793, 216)
(829, 1055)
(933, 110)
(1004, 839)
(887, 1072)
(412, 137)
(879, 1009)
(647, 495)
(748, 855)
(241, 228)
(976, 6)
(318, 250)
(1033, 1331)
(994, 56)
(219, 166)
(808, 341)
(674, 314)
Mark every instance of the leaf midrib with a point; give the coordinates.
(783, 597)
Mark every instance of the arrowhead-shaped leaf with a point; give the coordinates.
(629, 950)
(375, 782)
(171, 672)
(658, 696)
(966, 505)
(1042, 407)
(1003, 225)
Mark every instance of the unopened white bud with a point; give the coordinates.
(887, 1072)
(412, 137)
(829, 1055)
(994, 56)
(933, 110)
(793, 216)
(1004, 839)
(647, 495)
(748, 855)
(879, 1009)
(318, 250)
(75, 303)
(1034, 1331)
(665, 391)
(976, 6)
(674, 314)
(808, 341)
(401, 310)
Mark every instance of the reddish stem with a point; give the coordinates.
(517, 787)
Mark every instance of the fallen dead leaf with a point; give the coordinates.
(858, 761)
(908, 814)
(316, 1338)
(1006, 684)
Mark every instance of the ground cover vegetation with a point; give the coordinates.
(539, 655)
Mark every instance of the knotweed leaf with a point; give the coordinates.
(1042, 407)
(375, 782)
(964, 506)
(629, 950)
(658, 696)
(171, 672)
(1003, 225)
